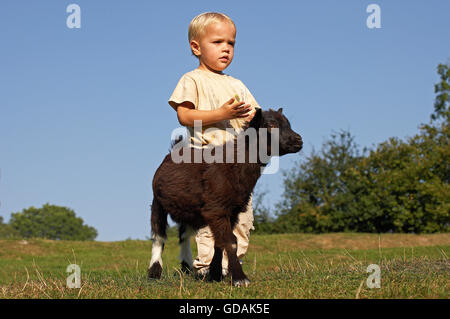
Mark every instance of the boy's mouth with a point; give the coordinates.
(223, 59)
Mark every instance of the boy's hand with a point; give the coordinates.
(250, 117)
(232, 109)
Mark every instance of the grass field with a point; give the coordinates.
(279, 266)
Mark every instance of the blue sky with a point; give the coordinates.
(84, 119)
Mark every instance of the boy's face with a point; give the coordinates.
(215, 49)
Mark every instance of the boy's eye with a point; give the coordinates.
(220, 41)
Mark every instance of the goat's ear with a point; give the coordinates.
(257, 119)
(280, 110)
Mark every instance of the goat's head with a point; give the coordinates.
(289, 141)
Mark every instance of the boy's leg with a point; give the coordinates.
(205, 250)
(205, 242)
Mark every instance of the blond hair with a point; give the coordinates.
(199, 23)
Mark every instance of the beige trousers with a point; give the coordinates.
(205, 242)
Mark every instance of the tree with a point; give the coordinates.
(400, 186)
(442, 89)
(405, 184)
(6, 231)
(51, 222)
(263, 221)
(317, 195)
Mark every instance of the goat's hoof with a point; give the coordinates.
(215, 276)
(241, 283)
(186, 268)
(154, 272)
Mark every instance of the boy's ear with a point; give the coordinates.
(195, 47)
(256, 121)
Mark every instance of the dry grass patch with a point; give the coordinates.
(289, 242)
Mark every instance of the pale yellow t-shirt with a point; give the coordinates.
(209, 91)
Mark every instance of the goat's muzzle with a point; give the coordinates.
(296, 143)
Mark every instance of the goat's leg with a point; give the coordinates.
(185, 233)
(215, 268)
(234, 266)
(159, 236)
(225, 239)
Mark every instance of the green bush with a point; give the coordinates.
(6, 231)
(51, 222)
(400, 186)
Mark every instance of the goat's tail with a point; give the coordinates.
(158, 220)
(159, 236)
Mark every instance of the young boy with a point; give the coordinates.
(219, 101)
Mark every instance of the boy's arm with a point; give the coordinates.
(187, 113)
